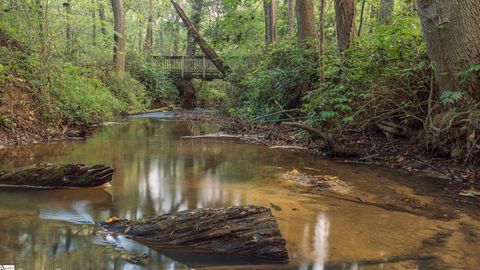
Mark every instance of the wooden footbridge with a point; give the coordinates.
(190, 67)
(207, 67)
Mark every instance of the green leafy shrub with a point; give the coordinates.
(159, 87)
(128, 90)
(378, 78)
(214, 95)
(273, 80)
(80, 99)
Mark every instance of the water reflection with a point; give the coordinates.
(157, 172)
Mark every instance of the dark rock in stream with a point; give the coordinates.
(57, 176)
(248, 231)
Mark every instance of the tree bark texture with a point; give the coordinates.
(119, 36)
(290, 17)
(197, 7)
(270, 8)
(149, 36)
(249, 231)
(386, 10)
(207, 50)
(305, 20)
(321, 34)
(345, 22)
(57, 176)
(451, 29)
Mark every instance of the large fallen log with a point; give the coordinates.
(249, 231)
(57, 176)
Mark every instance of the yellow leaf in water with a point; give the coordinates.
(294, 171)
(112, 220)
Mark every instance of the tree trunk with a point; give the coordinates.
(57, 176)
(362, 14)
(119, 36)
(68, 28)
(322, 40)
(290, 17)
(345, 21)
(270, 8)
(207, 50)
(386, 10)
(149, 36)
(101, 15)
(305, 20)
(452, 33)
(197, 7)
(249, 231)
(94, 26)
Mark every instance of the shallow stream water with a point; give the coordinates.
(159, 172)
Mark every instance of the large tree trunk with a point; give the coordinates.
(305, 20)
(197, 7)
(57, 176)
(322, 40)
(207, 50)
(149, 36)
(290, 17)
(249, 231)
(345, 21)
(451, 29)
(119, 37)
(94, 25)
(270, 8)
(386, 10)
(68, 26)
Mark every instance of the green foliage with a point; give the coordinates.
(214, 95)
(80, 98)
(379, 74)
(159, 87)
(450, 97)
(129, 91)
(468, 73)
(274, 79)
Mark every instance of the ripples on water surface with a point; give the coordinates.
(157, 172)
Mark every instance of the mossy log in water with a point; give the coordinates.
(57, 176)
(249, 231)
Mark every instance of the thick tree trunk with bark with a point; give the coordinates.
(119, 37)
(270, 8)
(290, 17)
(321, 34)
(451, 29)
(386, 10)
(207, 50)
(197, 7)
(249, 231)
(94, 25)
(57, 176)
(149, 36)
(305, 20)
(345, 21)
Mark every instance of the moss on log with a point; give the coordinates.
(57, 176)
(249, 231)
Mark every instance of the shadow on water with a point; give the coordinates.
(158, 172)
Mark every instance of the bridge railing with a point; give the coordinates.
(190, 67)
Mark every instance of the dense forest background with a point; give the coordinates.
(395, 68)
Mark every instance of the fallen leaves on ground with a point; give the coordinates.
(329, 182)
